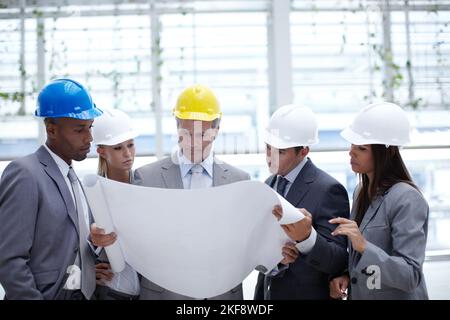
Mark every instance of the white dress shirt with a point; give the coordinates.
(71, 283)
(186, 166)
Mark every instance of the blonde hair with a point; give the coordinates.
(102, 170)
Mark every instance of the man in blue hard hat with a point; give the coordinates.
(44, 216)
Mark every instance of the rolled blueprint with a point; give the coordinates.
(98, 203)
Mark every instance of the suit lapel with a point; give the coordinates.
(371, 212)
(171, 175)
(220, 175)
(300, 188)
(54, 173)
(90, 216)
(355, 197)
(368, 216)
(271, 181)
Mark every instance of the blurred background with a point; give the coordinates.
(333, 56)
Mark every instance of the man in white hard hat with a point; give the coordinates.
(291, 131)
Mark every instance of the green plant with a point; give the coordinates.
(393, 79)
(12, 96)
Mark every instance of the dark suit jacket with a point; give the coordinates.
(307, 278)
(38, 228)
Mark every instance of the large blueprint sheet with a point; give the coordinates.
(199, 243)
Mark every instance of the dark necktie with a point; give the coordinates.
(281, 189)
(87, 263)
(281, 185)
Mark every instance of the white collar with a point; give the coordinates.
(292, 175)
(186, 164)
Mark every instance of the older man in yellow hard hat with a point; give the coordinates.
(192, 165)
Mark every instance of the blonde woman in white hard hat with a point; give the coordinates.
(388, 228)
(114, 136)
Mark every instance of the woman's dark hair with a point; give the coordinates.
(388, 169)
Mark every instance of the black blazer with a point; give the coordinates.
(307, 278)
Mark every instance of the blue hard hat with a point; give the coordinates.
(66, 98)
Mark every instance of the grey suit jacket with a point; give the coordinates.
(38, 228)
(395, 228)
(307, 278)
(166, 174)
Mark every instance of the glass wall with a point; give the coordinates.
(138, 55)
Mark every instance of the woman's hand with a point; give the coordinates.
(350, 229)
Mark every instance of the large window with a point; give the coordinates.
(421, 46)
(335, 63)
(228, 52)
(110, 54)
(139, 55)
(348, 53)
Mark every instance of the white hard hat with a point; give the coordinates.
(379, 123)
(112, 127)
(292, 126)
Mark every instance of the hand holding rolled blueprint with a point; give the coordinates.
(199, 243)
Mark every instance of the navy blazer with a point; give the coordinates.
(308, 277)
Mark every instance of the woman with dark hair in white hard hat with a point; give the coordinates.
(388, 228)
(114, 136)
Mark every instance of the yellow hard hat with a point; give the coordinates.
(197, 103)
